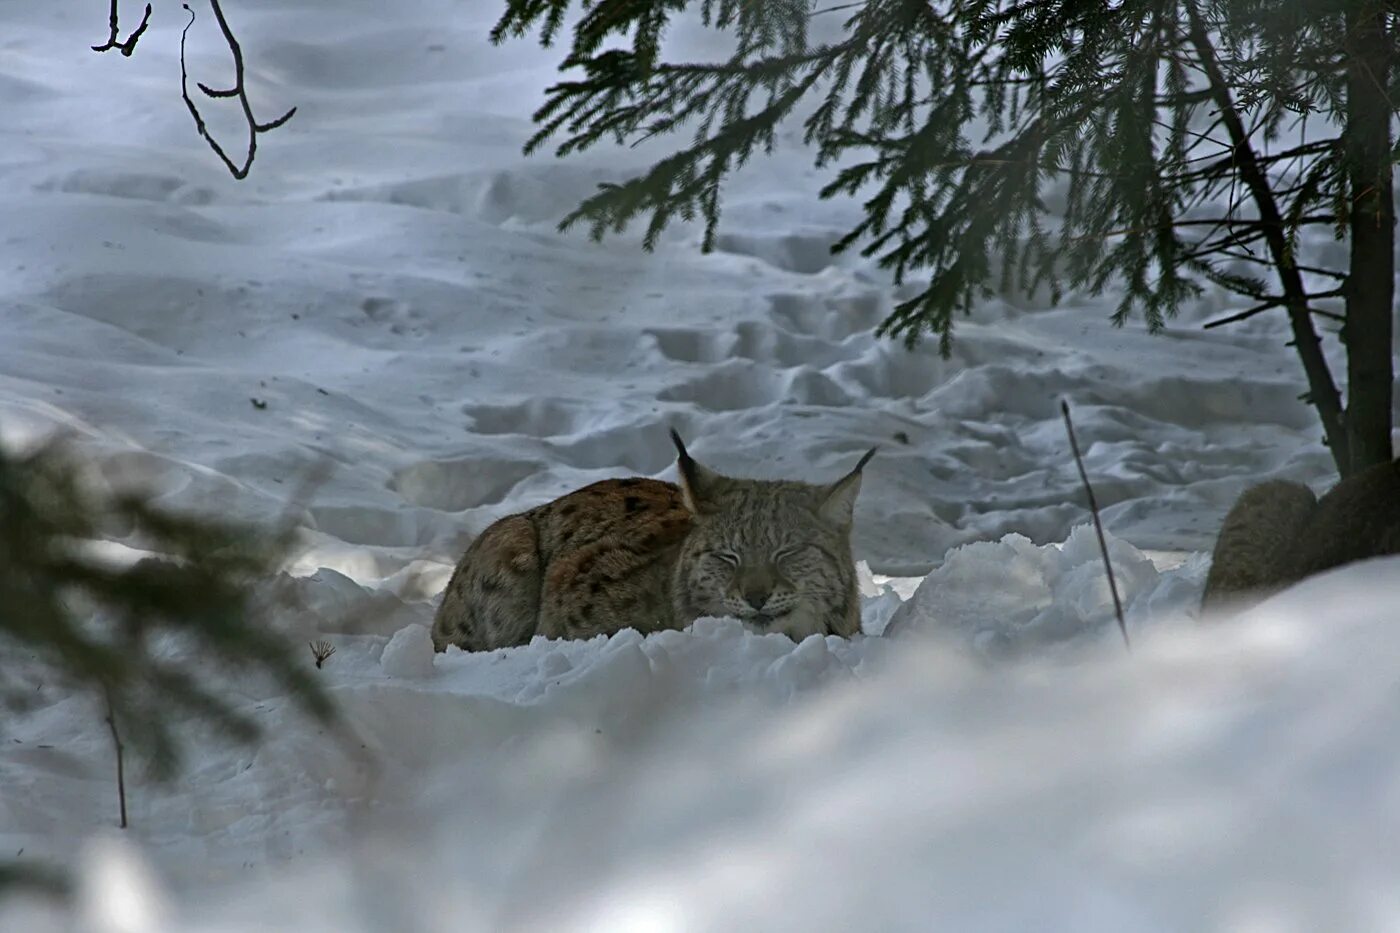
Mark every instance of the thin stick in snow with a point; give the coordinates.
(121, 755)
(1098, 525)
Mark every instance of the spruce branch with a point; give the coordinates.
(1173, 136)
(160, 639)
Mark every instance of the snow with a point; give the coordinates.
(381, 337)
(409, 653)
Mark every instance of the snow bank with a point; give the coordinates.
(1234, 774)
(1010, 596)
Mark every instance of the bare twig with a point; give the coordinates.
(321, 651)
(128, 46)
(838, 8)
(1098, 525)
(238, 90)
(121, 754)
(1243, 315)
(1261, 308)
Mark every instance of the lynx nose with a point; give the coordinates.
(756, 597)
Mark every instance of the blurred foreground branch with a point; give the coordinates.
(158, 640)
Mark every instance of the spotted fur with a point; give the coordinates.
(1278, 533)
(649, 555)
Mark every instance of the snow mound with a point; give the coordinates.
(1010, 596)
(1217, 778)
(409, 653)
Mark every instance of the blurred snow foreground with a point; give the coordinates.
(1238, 774)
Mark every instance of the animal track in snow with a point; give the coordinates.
(457, 485)
(752, 340)
(536, 417)
(756, 340)
(591, 350)
(400, 317)
(729, 387)
(687, 345)
(368, 525)
(534, 194)
(640, 447)
(889, 370)
(804, 253)
(538, 193)
(832, 318)
(140, 186)
(741, 385)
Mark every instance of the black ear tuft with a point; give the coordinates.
(686, 465)
(839, 503)
(696, 481)
(680, 445)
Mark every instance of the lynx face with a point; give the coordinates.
(776, 555)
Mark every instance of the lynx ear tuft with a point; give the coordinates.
(839, 500)
(680, 446)
(865, 458)
(697, 483)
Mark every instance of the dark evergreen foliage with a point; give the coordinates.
(160, 639)
(1193, 142)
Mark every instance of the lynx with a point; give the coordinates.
(649, 555)
(1278, 532)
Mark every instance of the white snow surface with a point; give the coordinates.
(382, 335)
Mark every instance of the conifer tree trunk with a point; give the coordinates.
(1370, 296)
(1322, 390)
